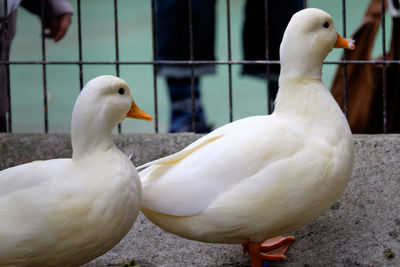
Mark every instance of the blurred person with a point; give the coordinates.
(57, 18)
(173, 43)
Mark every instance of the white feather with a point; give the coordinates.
(265, 175)
(65, 212)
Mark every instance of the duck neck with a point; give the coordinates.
(299, 80)
(293, 94)
(89, 136)
(301, 67)
(308, 101)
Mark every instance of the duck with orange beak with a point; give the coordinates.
(260, 177)
(66, 212)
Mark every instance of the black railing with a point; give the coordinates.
(229, 62)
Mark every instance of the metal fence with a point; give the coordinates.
(191, 62)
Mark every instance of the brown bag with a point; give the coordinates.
(364, 81)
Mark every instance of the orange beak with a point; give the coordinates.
(136, 113)
(344, 43)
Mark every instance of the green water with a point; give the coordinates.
(249, 94)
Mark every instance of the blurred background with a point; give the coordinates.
(135, 44)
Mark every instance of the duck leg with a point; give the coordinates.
(271, 249)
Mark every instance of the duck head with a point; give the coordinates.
(103, 103)
(308, 38)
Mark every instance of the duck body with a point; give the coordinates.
(261, 176)
(251, 179)
(66, 212)
(49, 215)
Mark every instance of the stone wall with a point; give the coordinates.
(361, 229)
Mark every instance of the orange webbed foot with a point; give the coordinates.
(275, 248)
(271, 249)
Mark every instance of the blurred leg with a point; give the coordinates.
(173, 43)
(3, 124)
(181, 106)
(254, 40)
(6, 38)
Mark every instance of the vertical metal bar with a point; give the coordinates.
(191, 66)
(228, 17)
(116, 46)
(345, 95)
(116, 37)
(268, 69)
(5, 56)
(45, 105)
(80, 45)
(384, 111)
(304, 3)
(154, 36)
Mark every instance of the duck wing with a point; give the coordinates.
(29, 175)
(186, 183)
(26, 198)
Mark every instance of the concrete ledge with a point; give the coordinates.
(361, 229)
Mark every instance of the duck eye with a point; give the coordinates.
(121, 91)
(326, 25)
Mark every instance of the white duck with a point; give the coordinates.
(262, 176)
(66, 212)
